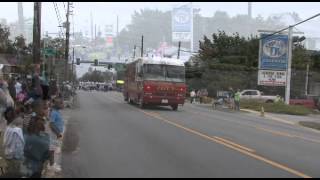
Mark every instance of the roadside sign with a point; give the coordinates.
(181, 23)
(109, 41)
(272, 78)
(181, 36)
(120, 81)
(49, 51)
(273, 52)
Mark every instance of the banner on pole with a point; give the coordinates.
(273, 52)
(181, 23)
(272, 78)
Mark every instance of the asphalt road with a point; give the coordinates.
(106, 137)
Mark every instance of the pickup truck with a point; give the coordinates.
(250, 94)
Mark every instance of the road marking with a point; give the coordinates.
(151, 113)
(270, 117)
(275, 164)
(288, 135)
(275, 132)
(267, 130)
(234, 144)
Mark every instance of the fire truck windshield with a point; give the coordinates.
(164, 72)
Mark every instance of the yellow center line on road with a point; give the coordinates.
(231, 145)
(270, 162)
(267, 130)
(234, 144)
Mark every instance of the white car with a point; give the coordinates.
(250, 94)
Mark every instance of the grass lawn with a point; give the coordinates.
(280, 108)
(313, 125)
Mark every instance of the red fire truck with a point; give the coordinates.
(155, 81)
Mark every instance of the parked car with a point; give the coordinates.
(251, 94)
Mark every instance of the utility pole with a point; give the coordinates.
(142, 47)
(21, 19)
(66, 55)
(289, 65)
(307, 79)
(37, 37)
(250, 9)
(134, 51)
(179, 49)
(91, 20)
(118, 53)
(191, 39)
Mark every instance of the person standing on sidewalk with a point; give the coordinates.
(237, 100)
(231, 98)
(192, 96)
(13, 144)
(57, 127)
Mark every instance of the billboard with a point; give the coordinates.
(108, 29)
(272, 78)
(181, 23)
(109, 41)
(273, 52)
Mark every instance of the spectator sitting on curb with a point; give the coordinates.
(5, 102)
(13, 144)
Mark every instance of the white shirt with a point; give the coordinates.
(18, 87)
(192, 94)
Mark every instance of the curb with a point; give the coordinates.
(270, 117)
(281, 120)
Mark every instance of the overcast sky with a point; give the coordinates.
(106, 12)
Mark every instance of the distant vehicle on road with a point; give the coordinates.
(155, 81)
(250, 94)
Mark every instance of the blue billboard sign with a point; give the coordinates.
(181, 19)
(273, 53)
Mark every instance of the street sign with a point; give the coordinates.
(49, 51)
(272, 78)
(108, 30)
(273, 52)
(181, 23)
(181, 36)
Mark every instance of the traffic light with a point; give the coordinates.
(96, 63)
(78, 61)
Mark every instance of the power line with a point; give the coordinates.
(290, 26)
(64, 8)
(58, 17)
